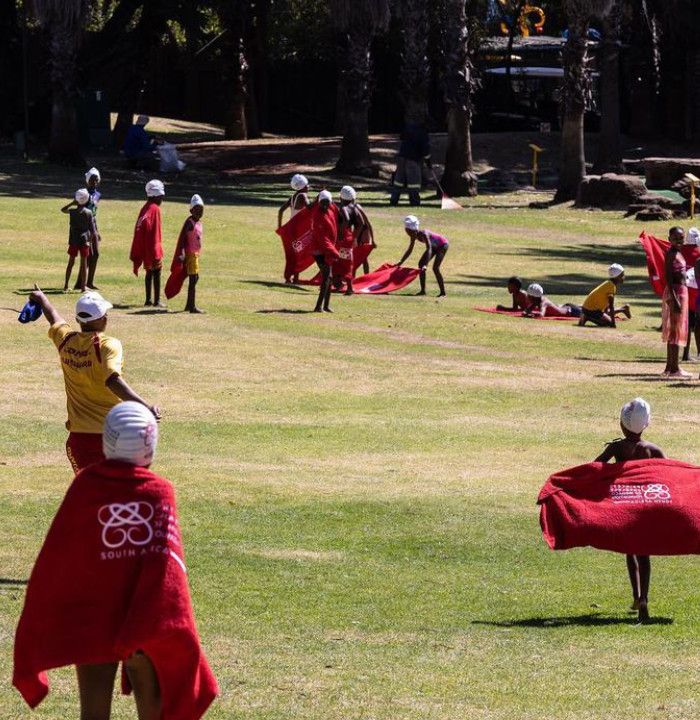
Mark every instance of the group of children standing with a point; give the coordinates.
(147, 248)
(336, 229)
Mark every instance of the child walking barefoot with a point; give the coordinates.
(189, 247)
(82, 233)
(634, 419)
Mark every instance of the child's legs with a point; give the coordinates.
(96, 685)
(671, 358)
(82, 273)
(69, 269)
(644, 565)
(325, 277)
(144, 681)
(156, 286)
(149, 285)
(633, 572)
(423, 266)
(191, 292)
(436, 269)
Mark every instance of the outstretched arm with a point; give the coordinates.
(50, 312)
(123, 391)
(408, 252)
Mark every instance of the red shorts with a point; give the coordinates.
(84, 250)
(84, 449)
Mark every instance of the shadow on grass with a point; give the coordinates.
(10, 581)
(632, 360)
(280, 285)
(655, 377)
(46, 291)
(149, 311)
(284, 311)
(586, 620)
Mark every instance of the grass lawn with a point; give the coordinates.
(357, 491)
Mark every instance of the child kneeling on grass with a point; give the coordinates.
(599, 307)
(634, 419)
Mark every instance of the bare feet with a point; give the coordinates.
(634, 606)
(643, 616)
(626, 311)
(318, 309)
(327, 310)
(442, 294)
(148, 303)
(679, 375)
(581, 321)
(197, 311)
(421, 292)
(159, 305)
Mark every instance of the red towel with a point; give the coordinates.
(520, 314)
(296, 241)
(178, 272)
(655, 250)
(147, 245)
(359, 255)
(640, 507)
(110, 579)
(385, 279)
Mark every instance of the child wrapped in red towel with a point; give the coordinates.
(110, 586)
(641, 505)
(324, 236)
(147, 245)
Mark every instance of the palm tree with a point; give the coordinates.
(459, 84)
(609, 142)
(576, 93)
(415, 68)
(63, 21)
(359, 22)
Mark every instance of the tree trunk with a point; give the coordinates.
(236, 127)
(356, 77)
(572, 168)
(458, 179)
(64, 141)
(609, 142)
(415, 69)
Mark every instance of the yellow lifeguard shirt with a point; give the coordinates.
(88, 360)
(598, 299)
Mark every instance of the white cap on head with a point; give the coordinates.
(299, 182)
(535, 290)
(92, 172)
(347, 193)
(325, 195)
(82, 196)
(693, 236)
(196, 200)
(130, 434)
(91, 306)
(155, 188)
(143, 120)
(615, 270)
(411, 222)
(635, 416)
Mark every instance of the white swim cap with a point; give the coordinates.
(82, 196)
(615, 270)
(347, 193)
(130, 434)
(92, 172)
(325, 195)
(693, 236)
(155, 188)
(635, 416)
(535, 290)
(299, 182)
(411, 222)
(196, 200)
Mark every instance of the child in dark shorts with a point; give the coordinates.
(82, 233)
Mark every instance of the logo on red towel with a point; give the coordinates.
(124, 523)
(651, 493)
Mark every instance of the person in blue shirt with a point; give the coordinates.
(139, 146)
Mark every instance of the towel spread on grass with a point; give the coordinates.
(359, 255)
(110, 580)
(385, 279)
(655, 250)
(639, 507)
(297, 243)
(520, 314)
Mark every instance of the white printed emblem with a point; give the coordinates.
(124, 523)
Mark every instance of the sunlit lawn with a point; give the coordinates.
(357, 491)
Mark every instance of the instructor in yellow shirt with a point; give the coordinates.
(92, 371)
(599, 306)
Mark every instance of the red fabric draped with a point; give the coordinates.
(109, 580)
(385, 279)
(655, 250)
(178, 272)
(520, 314)
(296, 241)
(147, 245)
(640, 507)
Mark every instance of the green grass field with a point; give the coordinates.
(357, 491)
